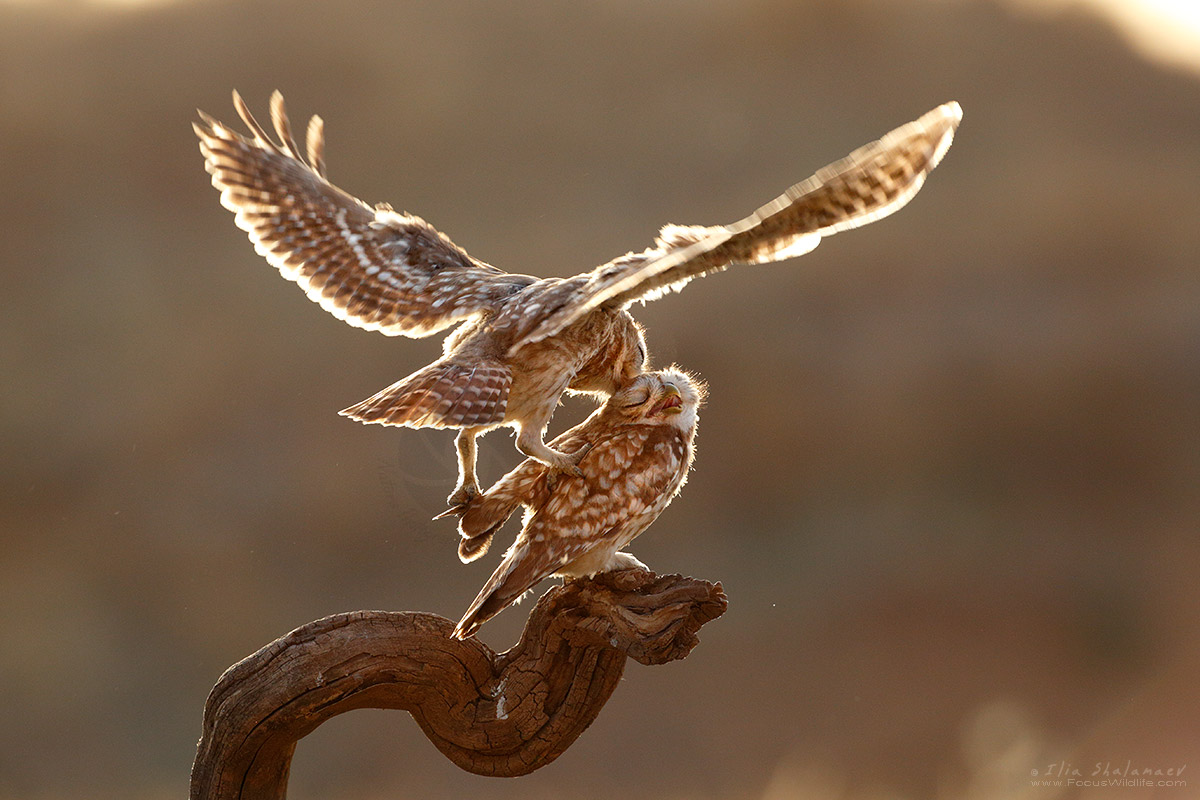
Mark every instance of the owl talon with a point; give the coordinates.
(459, 501)
(578, 455)
(568, 463)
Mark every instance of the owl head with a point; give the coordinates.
(664, 397)
(622, 358)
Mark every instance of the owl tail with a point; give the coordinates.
(483, 517)
(484, 608)
(442, 395)
(473, 547)
(519, 572)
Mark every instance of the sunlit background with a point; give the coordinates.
(949, 472)
(1167, 31)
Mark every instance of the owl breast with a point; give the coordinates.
(674, 452)
(588, 356)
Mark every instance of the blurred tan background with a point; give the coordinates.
(949, 473)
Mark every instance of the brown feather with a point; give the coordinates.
(442, 395)
(375, 269)
(872, 182)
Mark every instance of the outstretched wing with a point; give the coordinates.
(869, 184)
(372, 267)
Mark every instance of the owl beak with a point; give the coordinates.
(672, 400)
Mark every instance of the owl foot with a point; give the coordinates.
(529, 442)
(460, 500)
(568, 463)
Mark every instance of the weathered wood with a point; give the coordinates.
(492, 714)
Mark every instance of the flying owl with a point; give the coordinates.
(520, 341)
(636, 451)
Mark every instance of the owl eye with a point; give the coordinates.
(636, 398)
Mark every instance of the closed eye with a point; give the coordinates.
(638, 399)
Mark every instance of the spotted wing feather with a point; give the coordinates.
(371, 267)
(442, 395)
(526, 485)
(872, 182)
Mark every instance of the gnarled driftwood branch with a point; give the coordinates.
(493, 714)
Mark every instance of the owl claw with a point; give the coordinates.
(568, 465)
(570, 461)
(578, 455)
(459, 501)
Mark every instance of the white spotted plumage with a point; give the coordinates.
(638, 448)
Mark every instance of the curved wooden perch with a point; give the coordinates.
(492, 714)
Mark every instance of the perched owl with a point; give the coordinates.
(635, 451)
(522, 341)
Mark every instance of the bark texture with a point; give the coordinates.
(493, 714)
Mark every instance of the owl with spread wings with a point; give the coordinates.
(519, 341)
(636, 451)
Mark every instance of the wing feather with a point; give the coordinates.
(371, 267)
(872, 182)
(444, 394)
